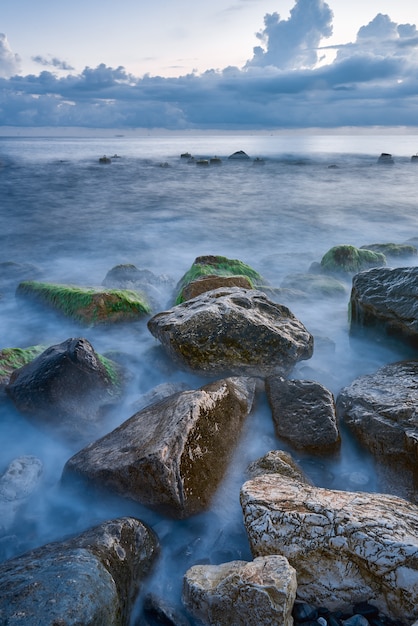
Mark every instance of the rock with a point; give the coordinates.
(171, 456)
(385, 300)
(239, 155)
(12, 359)
(344, 546)
(345, 259)
(232, 331)
(277, 462)
(159, 393)
(385, 159)
(314, 285)
(207, 283)
(158, 611)
(216, 266)
(17, 483)
(393, 250)
(90, 579)
(128, 276)
(304, 414)
(381, 409)
(258, 593)
(88, 305)
(66, 389)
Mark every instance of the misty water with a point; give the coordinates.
(75, 219)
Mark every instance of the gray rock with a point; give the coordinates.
(381, 409)
(172, 455)
(66, 389)
(256, 593)
(344, 546)
(92, 579)
(386, 300)
(304, 414)
(232, 331)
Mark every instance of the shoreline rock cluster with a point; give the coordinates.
(312, 547)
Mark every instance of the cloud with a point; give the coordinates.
(52, 62)
(9, 62)
(372, 81)
(293, 43)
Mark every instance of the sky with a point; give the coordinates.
(224, 64)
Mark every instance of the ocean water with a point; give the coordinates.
(75, 218)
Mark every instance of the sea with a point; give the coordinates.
(75, 218)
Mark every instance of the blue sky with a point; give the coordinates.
(234, 64)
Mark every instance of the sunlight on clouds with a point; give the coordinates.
(9, 62)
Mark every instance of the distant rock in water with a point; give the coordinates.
(347, 259)
(239, 155)
(393, 250)
(385, 159)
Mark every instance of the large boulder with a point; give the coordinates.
(220, 267)
(347, 259)
(385, 300)
(172, 455)
(304, 414)
(232, 331)
(90, 579)
(88, 305)
(67, 389)
(346, 547)
(381, 409)
(256, 593)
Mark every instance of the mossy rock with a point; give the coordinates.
(349, 259)
(216, 266)
(88, 305)
(12, 359)
(393, 250)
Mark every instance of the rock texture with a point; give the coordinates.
(386, 299)
(277, 462)
(304, 414)
(172, 455)
(207, 283)
(66, 389)
(232, 331)
(381, 409)
(346, 547)
(258, 593)
(92, 579)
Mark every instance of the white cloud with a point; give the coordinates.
(52, 62)
(9, 62)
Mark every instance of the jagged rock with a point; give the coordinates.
(207, 283)
(346, 259)
(66, 389)
(12, 359)
(90, 579)
(88, 305)
(17, 483)
(172, 455)
(257, 593)
(381, 409)
(232, 331)
(386, 300)
(216, 266)
(344, 546)
(304, 414)
(277, 462)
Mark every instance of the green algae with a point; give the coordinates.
(217, 266)
(113, 372)
(88, 304)
(346, 258)
(13, 358)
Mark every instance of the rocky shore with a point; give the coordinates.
(320, 556)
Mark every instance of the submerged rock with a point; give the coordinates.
(88, 305)
(304, 414)
(256, 593)
(345, 546)
(385, 300)
(90, 579)
(314, 285)
(232, 331)
(66, 389)
(239, 155)
(128, 276)
(393, 250)
(346, 259)
(172, 455)
(20, 480)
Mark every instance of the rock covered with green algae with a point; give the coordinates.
(12, 359)
(220, 266)
(393, 250)
(88, 305)
(350, 260)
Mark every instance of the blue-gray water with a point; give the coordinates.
(75, 219)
